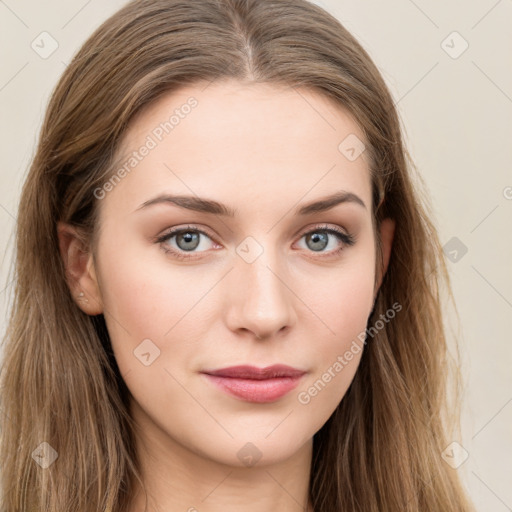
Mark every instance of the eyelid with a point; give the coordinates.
(322, 226)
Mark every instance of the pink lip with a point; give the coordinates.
(253, 384)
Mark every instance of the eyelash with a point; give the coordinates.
(347, 239)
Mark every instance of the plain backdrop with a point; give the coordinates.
(448, 66)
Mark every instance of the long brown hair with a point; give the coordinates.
(381, 448)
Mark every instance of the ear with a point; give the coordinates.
(387, 232)
(80, 272)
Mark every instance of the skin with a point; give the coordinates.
(262, 151)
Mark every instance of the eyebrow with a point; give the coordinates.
(213, 207)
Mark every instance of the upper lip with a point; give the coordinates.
(252, 372)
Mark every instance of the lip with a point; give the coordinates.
(252, 384)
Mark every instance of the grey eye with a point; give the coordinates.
(319, 240)
(187, 240)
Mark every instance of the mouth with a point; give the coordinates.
(258, 385)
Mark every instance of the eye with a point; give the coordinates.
(187, 240)
(317, 239)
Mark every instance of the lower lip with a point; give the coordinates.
(252, 390)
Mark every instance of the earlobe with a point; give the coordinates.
(387, 232)
(80, 271)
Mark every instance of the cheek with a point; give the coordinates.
(341, 298)
(343, 302)
(145, 299)
(347, 298)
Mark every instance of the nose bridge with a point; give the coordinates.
(263, 303)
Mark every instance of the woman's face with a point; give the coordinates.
(250, 280)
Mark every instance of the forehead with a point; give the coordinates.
(242, 142)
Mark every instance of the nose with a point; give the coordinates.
(260, 300)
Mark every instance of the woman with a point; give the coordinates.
(227, 292)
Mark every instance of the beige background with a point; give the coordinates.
(456, 108)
